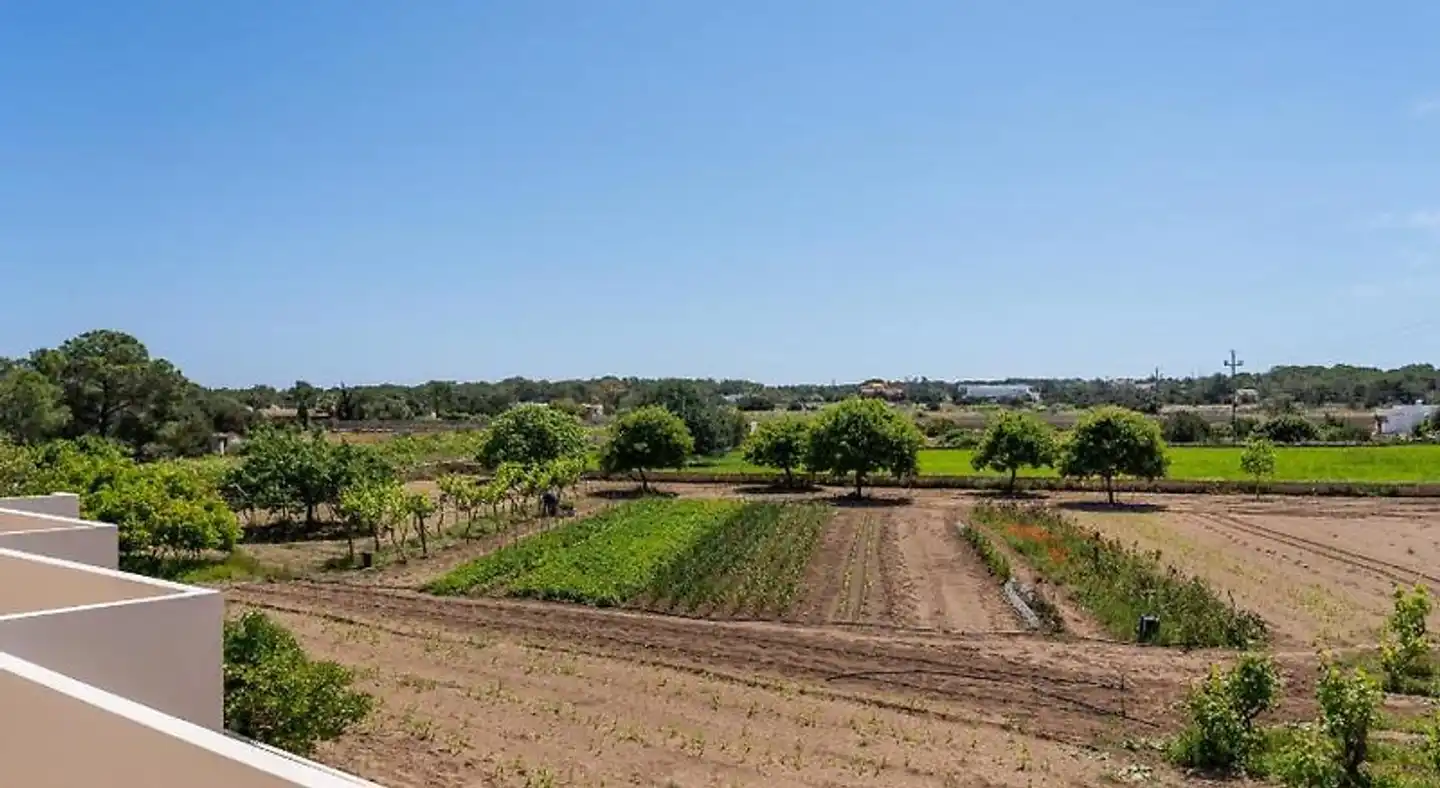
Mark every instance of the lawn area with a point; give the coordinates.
(1412, 463)
(681, 555)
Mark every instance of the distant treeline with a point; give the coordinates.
(1341, 385)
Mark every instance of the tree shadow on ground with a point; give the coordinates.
(1119, 507)
(286, 531)
(777, 489)
(1017, 495)
(632, 494)
(849, 501)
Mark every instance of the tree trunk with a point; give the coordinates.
(350, 541)
(644, 484)
(789, 478)
(309, 513)
(859, 485)
(375, 534)
(1109, 489)
(424, 545)
(1013, 473)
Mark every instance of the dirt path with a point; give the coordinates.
(852, 576)
(947, 585)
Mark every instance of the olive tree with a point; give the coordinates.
(1112, 441)
(532, 434)
(647, 437)
(862, 436)
(1013, 441)
(779, 442)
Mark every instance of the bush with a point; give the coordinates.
(1186, 426)
(779, 442)
(1405, 643)
(277, 695)
(1349, 708)
(1289, 428)
(1221, 735)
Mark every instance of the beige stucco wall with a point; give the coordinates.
(163, 652)
(95, 544)
(58, 504)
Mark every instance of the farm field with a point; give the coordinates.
(1415, 463)
(896, 662)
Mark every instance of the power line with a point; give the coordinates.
(1234, 364)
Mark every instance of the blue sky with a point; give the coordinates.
(801, 191)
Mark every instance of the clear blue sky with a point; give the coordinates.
(785, 191)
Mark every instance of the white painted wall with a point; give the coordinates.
(164, 652)
(95, 544)
(58, 504)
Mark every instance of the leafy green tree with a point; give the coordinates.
(1012, 441)
(532, 434)
(306, 398)
(420, 507)
(647, 437)
(1258, 460)
(111, 386)
(31, 407)
(703, 418)
(278, 695)
(1109, 442)
(291, 472)
(779, 442)
(862, 436)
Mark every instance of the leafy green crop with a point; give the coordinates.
(696, 556)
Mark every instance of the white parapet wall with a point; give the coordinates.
(154, 642)
(56, 534)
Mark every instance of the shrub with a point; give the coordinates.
(1186, 426)
(1258, 460)
(1221, 734)
(1405, 643)
(1289, 428)
(277, 695)
(779, 442)
(1349, 708)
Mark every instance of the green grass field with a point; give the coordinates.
(1412, 463)
(694, 556)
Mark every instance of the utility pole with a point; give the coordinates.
(1234, 364)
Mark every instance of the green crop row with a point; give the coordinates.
(1118, 585)
(995, 561)
(750, 565)
(691, 556)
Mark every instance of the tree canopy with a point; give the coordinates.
(532, 434)
(1109, 442)
(779, 442)
(1013, 441)
(862, 436)
(647, 437)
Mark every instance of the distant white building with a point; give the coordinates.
(1402, 419)
(998, 392)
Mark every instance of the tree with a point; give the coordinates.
(647, 437)
(1258, 460)
(111, 385)
(1111, 441)
(420, 507)
(291, 472)
(532, 434)
(31, 407)
(305, 397)
(779, 442)
(277, 695)
(704, 420)
(861, 436)
(1012, 441)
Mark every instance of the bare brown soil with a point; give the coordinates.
(899, 665)
(480, 691)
